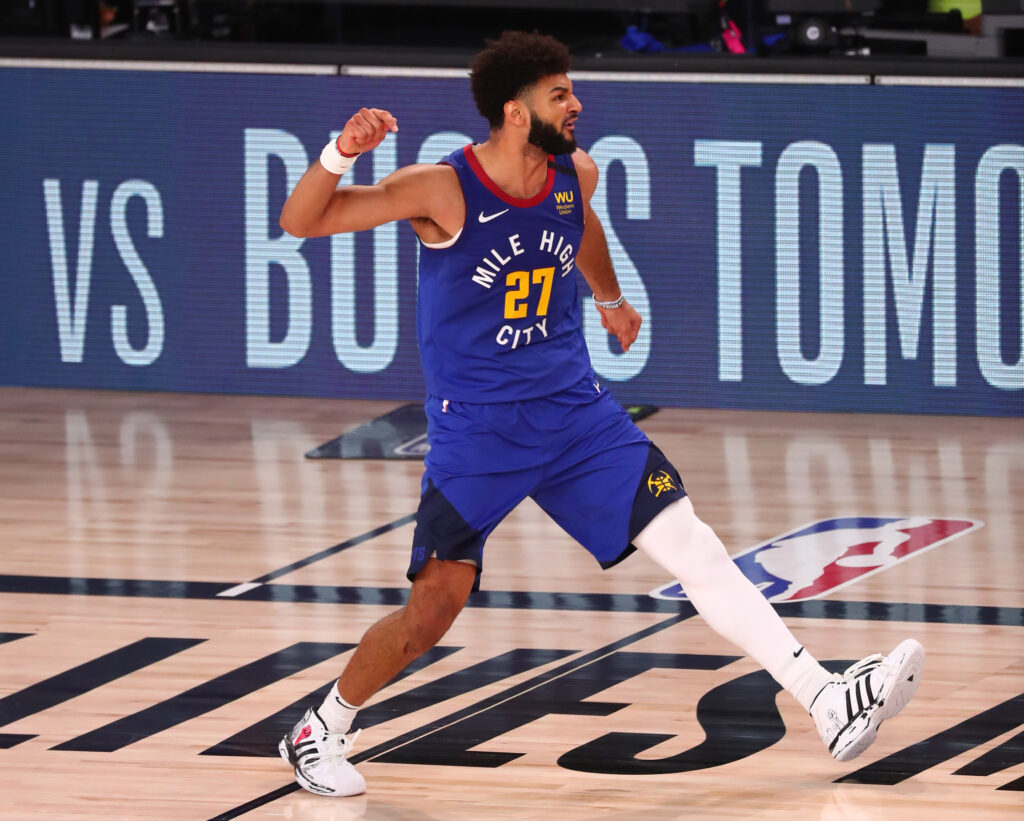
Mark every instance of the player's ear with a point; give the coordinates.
(515, 113)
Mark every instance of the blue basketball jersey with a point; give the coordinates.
(498, 309)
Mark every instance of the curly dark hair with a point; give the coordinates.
(510, 65)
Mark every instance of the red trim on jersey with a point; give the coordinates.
(492, 186)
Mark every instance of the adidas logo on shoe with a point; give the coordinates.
(319, 757)
(849, 709)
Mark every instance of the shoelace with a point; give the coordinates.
(862, 667)
(339, 745)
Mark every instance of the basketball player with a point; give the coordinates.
(514, 408)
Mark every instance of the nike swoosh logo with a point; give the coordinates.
(796, 653)
(490, 217)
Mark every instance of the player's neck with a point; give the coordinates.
(517, 167)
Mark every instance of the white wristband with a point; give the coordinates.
(334, 160)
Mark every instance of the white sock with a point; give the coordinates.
(691, 552)
(803, 677)
(336, 712)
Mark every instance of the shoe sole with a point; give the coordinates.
(906, 662)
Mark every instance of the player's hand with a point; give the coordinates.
(622, 322)
(366, 130)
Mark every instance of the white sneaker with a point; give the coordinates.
(848, 710)
(319, 757)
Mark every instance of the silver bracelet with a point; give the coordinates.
(615, 303)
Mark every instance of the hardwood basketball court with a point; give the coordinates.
(177, 578)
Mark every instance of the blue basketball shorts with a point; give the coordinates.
(577, 454)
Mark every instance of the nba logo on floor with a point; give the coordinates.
(824, 556)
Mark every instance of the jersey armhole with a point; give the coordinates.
(448, 243)
(571, 171)
(437, 246)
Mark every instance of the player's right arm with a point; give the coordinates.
(318, 207)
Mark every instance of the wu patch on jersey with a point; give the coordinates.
(824, 556)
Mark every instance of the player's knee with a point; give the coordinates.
(673, 526)
(681, 543)
(708, 547)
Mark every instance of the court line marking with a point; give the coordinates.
(475, 709)
(839, 609)
(245, 587)
(239, 589)
(519, 690)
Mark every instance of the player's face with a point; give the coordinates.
(553, 112)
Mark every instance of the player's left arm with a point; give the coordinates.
(595, 263)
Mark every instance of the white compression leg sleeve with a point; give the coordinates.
(691, 552)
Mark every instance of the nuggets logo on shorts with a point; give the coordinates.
(660, 481)
(822, 557)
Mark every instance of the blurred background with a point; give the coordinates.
(602, 29)
(817, 205)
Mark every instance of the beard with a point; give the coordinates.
(548, 138)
